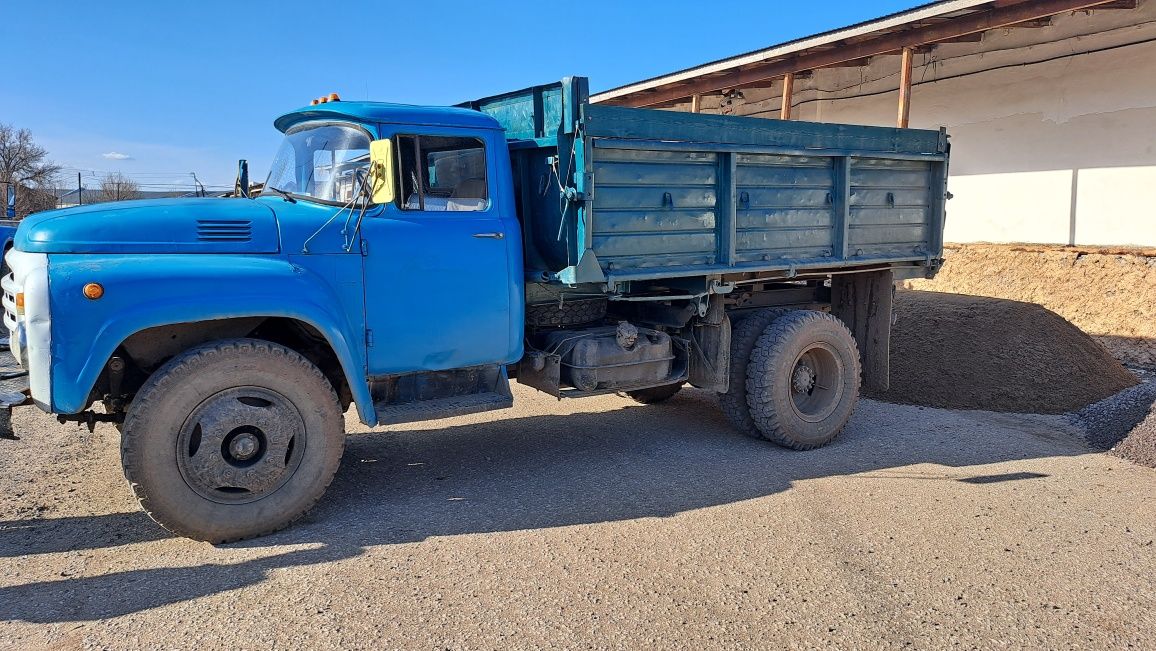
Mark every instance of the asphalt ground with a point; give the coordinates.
(604, 524)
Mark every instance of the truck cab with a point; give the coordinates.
(412, 260)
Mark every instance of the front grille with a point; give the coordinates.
(224, 230)
(10, 289)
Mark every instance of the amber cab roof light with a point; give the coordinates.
(324, 99)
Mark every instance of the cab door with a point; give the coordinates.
(440, 261)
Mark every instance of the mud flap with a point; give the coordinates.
(863, 301)
(710, 355)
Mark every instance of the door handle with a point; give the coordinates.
(489, 236)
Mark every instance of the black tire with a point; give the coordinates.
(655, 395)
(568, 313)
(281, 437)
(803, 380)
(744, 334)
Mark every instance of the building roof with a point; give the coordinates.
(922, 26)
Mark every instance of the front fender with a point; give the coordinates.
(147, 291)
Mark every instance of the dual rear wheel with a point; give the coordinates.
(795, 377)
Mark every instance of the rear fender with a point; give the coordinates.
(143, 292)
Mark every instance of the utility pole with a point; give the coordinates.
(79, 191)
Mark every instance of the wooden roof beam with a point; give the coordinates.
(1006, 14)
(853, 63)
(1037, 23)
(977, 37)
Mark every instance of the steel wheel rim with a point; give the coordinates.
(240, 445)
(815, 383)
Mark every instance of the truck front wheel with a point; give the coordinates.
(803, 380)
(232, 439)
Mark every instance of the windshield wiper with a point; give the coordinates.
(288, 197)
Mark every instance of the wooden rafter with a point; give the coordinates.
(966, 38)
(1036, 23)
(853, 63)
(1005, 13)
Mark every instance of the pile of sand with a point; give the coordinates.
(970, 352)
(1110, 293)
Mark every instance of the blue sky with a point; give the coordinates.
(158, 90)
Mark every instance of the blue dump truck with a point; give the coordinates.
(412, 260)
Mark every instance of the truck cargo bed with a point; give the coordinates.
(617, 194)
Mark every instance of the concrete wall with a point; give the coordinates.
(1047, 147)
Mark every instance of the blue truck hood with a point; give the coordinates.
(153, 226)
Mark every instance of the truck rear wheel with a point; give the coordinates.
(744, 334)
(232, 439)
(803, 380)
(655, 395)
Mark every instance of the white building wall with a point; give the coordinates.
(1061, 151)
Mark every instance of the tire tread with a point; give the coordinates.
(744, 334)
(759, 383)
(162, 380)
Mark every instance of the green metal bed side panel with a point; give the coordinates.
(675, 194)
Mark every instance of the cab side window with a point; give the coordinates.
(442, 173)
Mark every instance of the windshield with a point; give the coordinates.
(320, 161)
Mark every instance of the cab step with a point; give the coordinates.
(441, 408)
(432, 395)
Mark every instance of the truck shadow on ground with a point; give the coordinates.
(531, 473)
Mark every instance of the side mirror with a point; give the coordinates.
(381, 183)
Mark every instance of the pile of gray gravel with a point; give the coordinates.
(1124, 423)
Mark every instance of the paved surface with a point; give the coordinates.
(622, 527)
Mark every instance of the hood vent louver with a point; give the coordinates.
(224, 230)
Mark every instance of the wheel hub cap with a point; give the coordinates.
(804, 379)
(240, 444)
(817, 383)
(244, 446)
